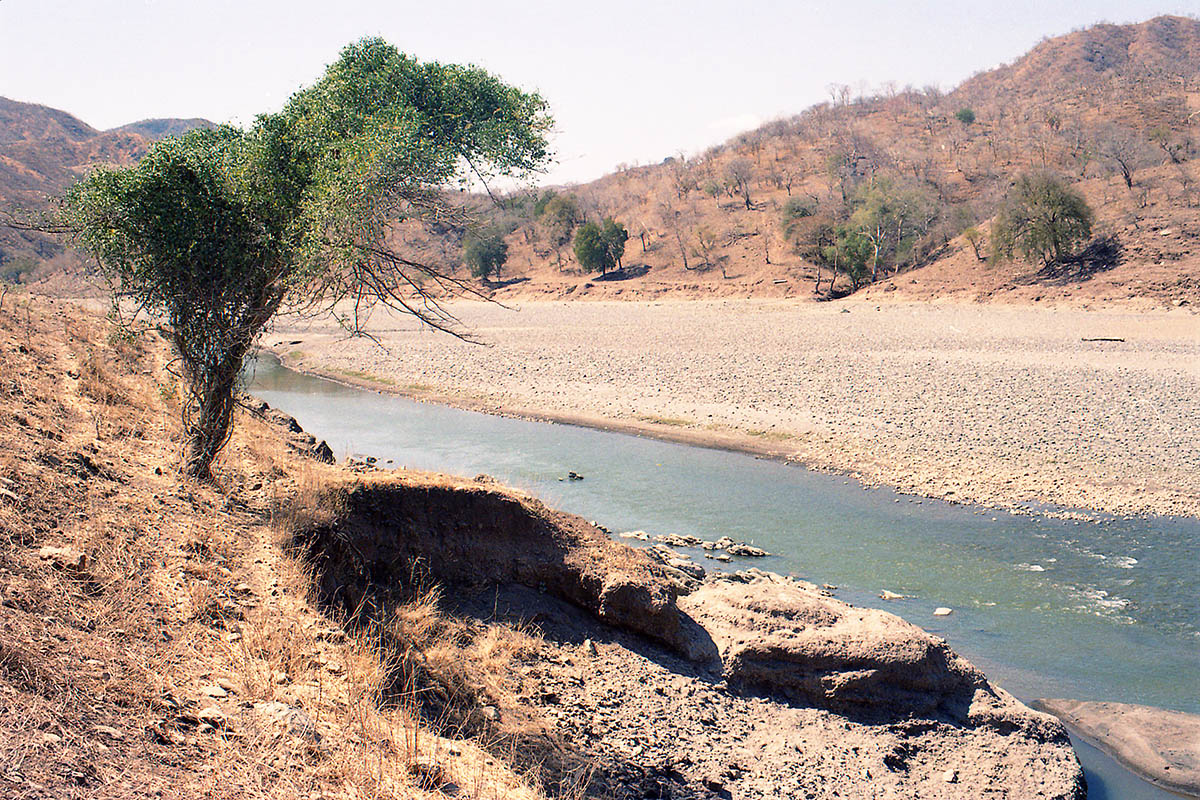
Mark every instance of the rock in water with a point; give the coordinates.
(1162, 746)
(746, 551)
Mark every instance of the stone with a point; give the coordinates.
(746, 551)
(786, 637)
(322, 452)
(677, 540)
(112, 733)
(214, 690)
(887, 595)
(687, 567)
(212, 715)
(64, 557)
(295, 720)
(942, 611)
(950, 776)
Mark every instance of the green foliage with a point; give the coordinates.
(543, 200)
(614, 236)
(559, 215)
(893, 216)
(485, 253)
(217, 230)
(965, 115)
(850, 255)
(1041, 219)
(794, 210)
(600, 246)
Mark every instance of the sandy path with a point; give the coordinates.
(996, 405)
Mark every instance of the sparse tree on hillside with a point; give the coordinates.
(965, 115)
(216, 231)
(600, 246)
(485, 253)
(738, 173)
(683, 179)
(560, 215)
(1125, 149)
(677, 221)
(1041, 219)
(975, 238)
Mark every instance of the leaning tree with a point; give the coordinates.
(217, 231)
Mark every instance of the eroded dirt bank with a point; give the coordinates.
(1000, 406)
(652, 684)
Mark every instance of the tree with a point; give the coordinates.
(975, 238)
(614, 236)
(217, 231)
(485, 253)
(1125, 148)
(965, 115)
(600, 246)
(559, 217)
(737, 176)
(1041, 218)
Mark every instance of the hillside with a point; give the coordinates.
(42, 151)
(1111, 109)
(1091, 107)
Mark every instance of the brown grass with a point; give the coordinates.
(108, 665)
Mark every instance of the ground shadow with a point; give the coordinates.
(1101, 255)
(624, 273)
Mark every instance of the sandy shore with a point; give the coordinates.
(1000, 406)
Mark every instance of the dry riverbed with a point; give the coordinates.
(1000, 406)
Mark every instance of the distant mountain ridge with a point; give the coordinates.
(43, 150)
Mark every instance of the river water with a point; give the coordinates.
(1107, 609)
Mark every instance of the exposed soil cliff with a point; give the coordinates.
(751, 685)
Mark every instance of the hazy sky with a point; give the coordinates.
(627, 81)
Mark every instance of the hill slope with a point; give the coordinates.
(1091, 107)
(42, 151)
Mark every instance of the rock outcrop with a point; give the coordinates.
(791, 639)
(466, 533)
(816, 684)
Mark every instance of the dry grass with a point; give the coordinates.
(171, 646)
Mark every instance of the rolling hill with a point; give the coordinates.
(42, 151)
(1091, 107)
(1111, 110)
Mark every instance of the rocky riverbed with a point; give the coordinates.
(994, 405)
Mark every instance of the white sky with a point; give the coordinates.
(626, 81)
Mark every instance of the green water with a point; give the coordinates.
(1103, 610)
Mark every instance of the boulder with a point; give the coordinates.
(746, 551)
(787, 638)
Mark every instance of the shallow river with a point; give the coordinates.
(1094, 610)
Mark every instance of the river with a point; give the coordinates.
(1101, 609)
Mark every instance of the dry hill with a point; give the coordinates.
(1111, 109)
(44, 150)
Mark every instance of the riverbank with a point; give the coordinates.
(996, 406)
